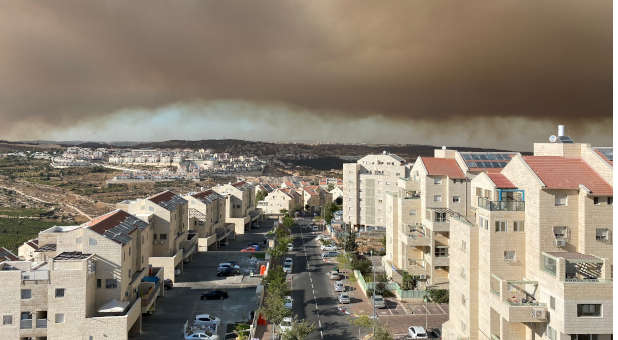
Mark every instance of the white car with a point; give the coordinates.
(285, 325)
(290, 247)
(334, 275)
(288, 301)
(287, 268)
(417, 332)
(206, 320)
(379, 301)
(329, 248)
(288, 260)
(339, 286)
(315, 228)
(201, 335)
(344, 298)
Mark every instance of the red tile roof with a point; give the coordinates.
(162, 197)
(443, 167)
(567, 173)
(108, 221)
(500, 180)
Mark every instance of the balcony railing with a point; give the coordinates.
(41, 323)
(25, 324)
(501, 205)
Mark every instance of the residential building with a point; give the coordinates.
(168, 215)
(366, 183)
(534, 259)
(314, 197)
(281, 199)
(337, 193)
(207, 218)
(240, 205)
(7, 255)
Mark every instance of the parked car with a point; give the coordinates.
(334, 275)
(227, 271)
(248, 250)
(315, 228)
(288, 260)
(201, 335)
(206, 319)
(288, 302)
(228, 265)
(339, 286)
(344, 298)
(379, 301)
(329, 248)
(168, 284)
(417, 332)
(254, 245)
(434, 333)
(285, 325)
(290, 247)
(214, 295)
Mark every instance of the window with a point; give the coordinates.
(479, 192)
(602, 234)
(7, 319)
(501, 226)
(610, 200)
(561, 199)
(163, 236)
(437, 198)
(59, 317)
(98, 283)
(413, 212)
(589, 310)
(154, 237)
(92, 242)
(129, 251)
(437, 180)
(441, 251)
(455, 199)
(552, 303)
(59, 292)
(561, 232)
(26, 294)
(26, 316)
(509, 255)
(518, 226)
(111, 283)
(596, 200)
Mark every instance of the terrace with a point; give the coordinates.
(515, 300)
(507, 205)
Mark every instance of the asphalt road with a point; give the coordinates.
(313, 293)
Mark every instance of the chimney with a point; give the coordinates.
(560, 130)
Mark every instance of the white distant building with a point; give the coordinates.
(365, 184)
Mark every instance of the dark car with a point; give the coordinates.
(214, 295)
(168, 284)
(434, 333)
(227, 271)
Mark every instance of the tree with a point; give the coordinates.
(331, 187)
(284, 211)
(260, 195)
(300, 330)
(363, 265)
(349, 242)
(408, 282)
(438, 295)
(274, 309)
(288, 221)
(363, 321)
(381, 334)
(241, 331)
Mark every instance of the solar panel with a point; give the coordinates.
(607, 152)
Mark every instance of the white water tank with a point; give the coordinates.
(560, 130)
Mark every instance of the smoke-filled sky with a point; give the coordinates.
(481, 73)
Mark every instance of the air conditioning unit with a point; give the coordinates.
(539, 314)
(560, 242)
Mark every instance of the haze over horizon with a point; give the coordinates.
(496, 75)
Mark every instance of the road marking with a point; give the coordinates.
(320, 323)
(321, 334)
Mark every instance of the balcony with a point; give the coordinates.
(440, 261)
(148, 292)
(508, 205)
(41, 323)
(25, 324)
(515, 301)
(417, 236)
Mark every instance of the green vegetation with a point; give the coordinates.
(260, 196)
(15, 231)
(241, 330)
(364, 321)
(329, 210)
(438, 295)
(25, 212)
(288, 221)
(349, 242)
(300, 330)
(408, 282)
(361, 264)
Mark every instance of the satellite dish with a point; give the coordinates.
(552, 139)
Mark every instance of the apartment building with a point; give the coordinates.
(207, 217)
(280, 199)
(417, 229)
(83, 282)
(366, 184)
(534, 259)
(240, 204)
(168, 215)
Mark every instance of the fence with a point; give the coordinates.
(392, 286)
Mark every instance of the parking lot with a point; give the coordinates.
(183, 302)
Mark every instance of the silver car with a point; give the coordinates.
(344, 298)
